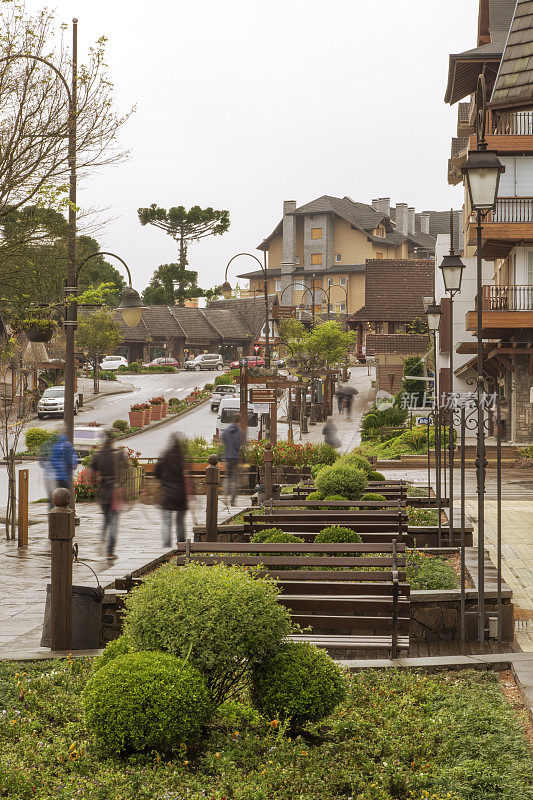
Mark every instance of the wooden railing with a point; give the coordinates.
(512, 209)
(519, 123)
(508, 298)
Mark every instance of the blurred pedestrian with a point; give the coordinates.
(329, 432)
(107, 463)
(233, 441)
(170, 471)
(48, 472)
(63, 461)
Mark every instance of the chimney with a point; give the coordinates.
(424, 222)
(375, 205)
(384, 205)
(289, 248)
(402, 218)
(411, 213)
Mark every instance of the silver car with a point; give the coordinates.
(224, 390)
(52, 403)
(206, 361)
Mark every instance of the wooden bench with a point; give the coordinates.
(347, 607)
(391, 490)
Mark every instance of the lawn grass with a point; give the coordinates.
(403, 735)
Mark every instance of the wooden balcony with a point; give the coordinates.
(510, 132)
(504, 308)
(509, 223)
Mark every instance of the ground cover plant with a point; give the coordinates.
(399, 735)
(425, 571)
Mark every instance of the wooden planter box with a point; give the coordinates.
(136, 419)
(164, 410)
(147, 417)
(157, 412)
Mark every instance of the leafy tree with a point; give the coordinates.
(418, 325)
(98, 333)
(324, 346)
(413, 366)
(174, 282)
(97, 271)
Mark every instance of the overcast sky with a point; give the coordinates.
(242, 104)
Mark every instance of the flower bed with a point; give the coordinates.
(403, 734)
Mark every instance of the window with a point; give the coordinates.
(330, 281)
(338, 257)
(278, 286)
(297, 260)
(316, 258)
(340, 307)
(379, 255)
(342, 281)
(316, 233)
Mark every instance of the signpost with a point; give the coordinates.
(257, 349)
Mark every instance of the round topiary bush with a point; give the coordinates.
(333, 498)
(121, 425)
(224, 619)
(275, 536)
(374, 497)
(146, 701)
(343, 479)
(337, 533)
(376, 476)
(118, 647)
(357, 460)
(315, 496)
(299, 683)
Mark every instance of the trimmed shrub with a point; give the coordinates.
(161, 368)
(121, 425)
(118, 647)
(37, 438)
(225, 380)
(209, 387)
(374, 497)
(146, 701)
(315, 496)
(300, 683)
(357, 460)
(342, 479)
(321, 455)
(315, 469)
(224, 619)
(376, 476)
(429, 572)
(333, 498)
(337, 533)
(135, 367)
(275, 536)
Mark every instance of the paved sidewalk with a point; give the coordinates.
(26, 571)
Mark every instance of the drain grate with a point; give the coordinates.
(520, 625)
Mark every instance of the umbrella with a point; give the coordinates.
(347, 390)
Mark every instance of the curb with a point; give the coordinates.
(153, 425)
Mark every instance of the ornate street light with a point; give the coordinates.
(434, 314)
(482, 171)
(452, 267)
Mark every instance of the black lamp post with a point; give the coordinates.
(434, 314)
(452, 273)
(226, 292)
(482, 172)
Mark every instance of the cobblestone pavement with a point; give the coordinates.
(26, 571)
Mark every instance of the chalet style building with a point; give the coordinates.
(318, 251)
(504, 56)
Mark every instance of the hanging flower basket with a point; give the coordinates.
(39, 330)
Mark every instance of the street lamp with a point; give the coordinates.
(131, 304)
(482, 172)
(452, 267)
(336, 286)
(434, 313)
(226, 292)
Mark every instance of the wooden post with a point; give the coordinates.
(267, 460)
(211, 509)
(274, 421)
(243, 381)
(289, 414)
(23, 508)
(61, 533)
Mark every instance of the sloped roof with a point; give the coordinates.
(398, 343)
(194, 323)
(226, 323)
(514, 83)
(249, 311)
(395, 290)
(439, 222)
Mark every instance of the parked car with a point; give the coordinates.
(111, 363)
(220, 392)
(206, 361)
(249, 361)
(87, 438)
(162, 362)
(228, 410)
(52, 403)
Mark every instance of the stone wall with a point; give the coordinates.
(522, 408)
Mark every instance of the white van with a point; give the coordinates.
(87, 438)
(227, 411)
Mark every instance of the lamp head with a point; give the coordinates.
(131, 307)
(434, 313)
(482, 171)
(226, 290)
(452, 268)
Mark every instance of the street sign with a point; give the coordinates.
(257, 348)
(264, 396)
(262, 408)
(283, 312)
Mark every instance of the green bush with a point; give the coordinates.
(376, 476)
(224, 619)
(107, 375)
(332, 498)
(429, 572)
(416, 439)
(118, 647)
(160, 368)
(315, 496)
(337, 533)
(273, 536)
(355, 459)
(321, 455)
(146, 701)
(121, 425)
(315, 469)
(37, 438)
(134, 367)
(209, 387)
(300, 683)
(422, 516)
(224, 380)
(342, 479)
(374, 497)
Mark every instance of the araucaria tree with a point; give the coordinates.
(174, 283)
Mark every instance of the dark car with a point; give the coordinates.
(249, 361)
(162, 362)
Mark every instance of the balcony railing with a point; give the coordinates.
(512, 209)
(508, 298)
(519, 123)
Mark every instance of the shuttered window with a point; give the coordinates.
(316, 233)
(316, 258)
